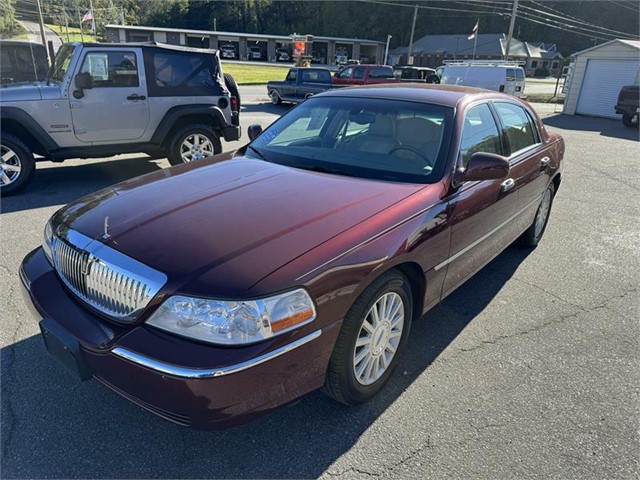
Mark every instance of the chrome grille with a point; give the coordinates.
(104, 278)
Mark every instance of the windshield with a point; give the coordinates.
(60, 64)
(361, 137)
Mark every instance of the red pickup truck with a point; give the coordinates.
(365, 75)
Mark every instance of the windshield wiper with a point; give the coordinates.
(258, 152)
(317, 168)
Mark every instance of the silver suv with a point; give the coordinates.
(100, 100)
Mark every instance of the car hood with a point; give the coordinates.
(217, 228)
(19, 92)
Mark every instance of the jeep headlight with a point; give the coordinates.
(226, 322)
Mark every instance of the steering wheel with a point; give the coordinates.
(413, 150)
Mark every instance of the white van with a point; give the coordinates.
(501, 78)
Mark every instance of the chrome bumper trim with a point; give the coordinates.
(195, 373)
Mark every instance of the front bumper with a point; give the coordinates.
(191, 384)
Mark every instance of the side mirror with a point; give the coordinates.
(253, 131)
(83, 82)
(483, 166)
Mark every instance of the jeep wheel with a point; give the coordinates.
(232, 86)
(17, 165)
(192, 143)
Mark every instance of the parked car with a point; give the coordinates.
(282, 55)
(318, 57)
(629, 105)
(299, 84)
(365, 75)
(341, 58)
(22, 62)
(255, 53)
(500, 78)
(228, 52)
(416, 74)
(117, 98)
(212, 293)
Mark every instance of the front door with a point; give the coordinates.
(116, 108)
(480, 211)
(290, 85)
(344, 76)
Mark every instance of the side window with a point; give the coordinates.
(293, 76)
(511, 74)
(177, 70)
(111, 69)
(479, 134)
(6, 65)
(346, 73)
(520, 130)
(359, 73)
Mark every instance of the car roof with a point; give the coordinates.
(446, 95)
(164, 46)
(20, 43)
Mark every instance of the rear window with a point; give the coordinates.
(316, 76)
(182, 74)
(511, 74)
(381, 72)
(519, 74)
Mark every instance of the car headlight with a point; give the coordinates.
(47, 243)
(227, 322)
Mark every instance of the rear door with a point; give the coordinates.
(480, 211)
(510, 85)
(520, 82)
(116, 109)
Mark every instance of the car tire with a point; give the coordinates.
(17, 165)
(349, 379)
(533, 234)
(232, 86)
(275, 97)
(203, 140)
(627, 120)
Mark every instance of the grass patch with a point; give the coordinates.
(544, 98)
(254, 74)
(74, 34)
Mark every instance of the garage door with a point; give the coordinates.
(602, 82)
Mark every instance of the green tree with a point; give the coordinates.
(8, 23)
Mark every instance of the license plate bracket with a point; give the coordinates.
(62, 346)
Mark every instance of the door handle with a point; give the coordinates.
(545, 161)
(507, 185)
(135, 97)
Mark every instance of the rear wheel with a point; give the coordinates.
(17, 165)
(193, 142)
(533, 234)
(373, 335)
(628, 120)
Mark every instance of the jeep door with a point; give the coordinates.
(115, 109)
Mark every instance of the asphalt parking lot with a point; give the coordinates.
(531, 369)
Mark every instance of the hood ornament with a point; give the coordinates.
(106, 228)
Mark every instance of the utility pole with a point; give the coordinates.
(121, 15)
(413, 30)
(511, 25)
(386, 50)
(41, 21)
(80, 22)
(215, 24)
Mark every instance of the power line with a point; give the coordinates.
(628, 7)
(572, 27)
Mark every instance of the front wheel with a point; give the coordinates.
(628, 120)
(373, 335)
(192, 143)
(275, 97)
(17, 165)
(533, 234)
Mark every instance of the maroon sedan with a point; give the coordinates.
(210, 293)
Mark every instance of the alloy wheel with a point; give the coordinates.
(378, 338)
(196, 147)
(10, 166)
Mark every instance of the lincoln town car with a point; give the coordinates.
(213, 292)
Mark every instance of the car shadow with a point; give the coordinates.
(606, 127)
(55, 427)
(56, 184)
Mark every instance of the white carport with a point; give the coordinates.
(598, 75)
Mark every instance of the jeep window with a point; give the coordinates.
(61, 63)
(111, 69)
(6, 66)
(180, 73)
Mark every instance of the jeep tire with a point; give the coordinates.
(193, 142)
(17, 164)
(232, 86)
(629, 120)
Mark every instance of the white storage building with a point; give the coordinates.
(598, 75)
